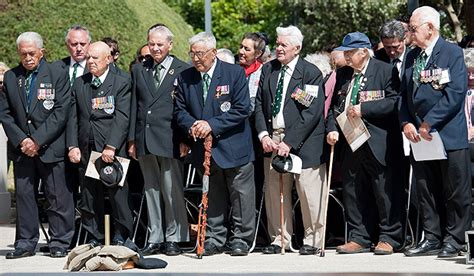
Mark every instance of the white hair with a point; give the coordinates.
(78, 28)
(207, 39)
(321, 61)
(428, 14)
(294, 34)
(162, 30)
(225, 55)
(30, 37)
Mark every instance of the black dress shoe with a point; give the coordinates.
(272, 249)
(239, 249)
(151, 248)
(172, 249)
(19, 253)
(308, 250)
(448, 251)
(44, 249)
(424, 248)
(211, 249)
(57, 252)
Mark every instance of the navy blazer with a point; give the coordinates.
(107, 128)
(152, 127)
(46, 126)
(378, 115)
(304, 126)
(442, 109)
(232, 141)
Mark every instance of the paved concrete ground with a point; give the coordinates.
(255, 263)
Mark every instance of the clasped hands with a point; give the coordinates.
(29, 147)
(424, 132)
(200, 129)
(282, 149)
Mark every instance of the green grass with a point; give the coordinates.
(125, 20)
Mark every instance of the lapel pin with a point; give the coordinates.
(171, 71)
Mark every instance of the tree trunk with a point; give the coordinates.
(455, 20)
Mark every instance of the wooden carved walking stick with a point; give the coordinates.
(325, 216)
(202, 221)
(282, 216)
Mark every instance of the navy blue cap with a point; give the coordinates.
(353, 41)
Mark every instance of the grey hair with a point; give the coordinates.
(226, 55)
(392, 29)
(469, 57)
(428, 14)
(321, 60)
(3, 67)
(295, 35)
(78, 28)
(207, 39)
(163, 30)
(30, 37)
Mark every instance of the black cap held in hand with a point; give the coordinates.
(109, 173)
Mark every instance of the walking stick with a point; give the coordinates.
(282, 216)
(202, 221)
(323, 239)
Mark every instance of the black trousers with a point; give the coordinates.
(28, 172)
(231, 188)
(444, 196)
(370, 198)
(92, 207)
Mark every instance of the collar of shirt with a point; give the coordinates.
(102, 77)
(402, 56)
(291, 66)
(429, 49)
(210, 72)
(82, 64)
(166, 63)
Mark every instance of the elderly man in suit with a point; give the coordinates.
(154, 139)
(433, 94)
(36, 106)
(285, 124)
(99, 122)
(213, 99)
(78, 40)
(368, 93)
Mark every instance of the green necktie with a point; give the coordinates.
(355, 89)
(96, 83)
(74, 73)
(279, 92)
(157, 75)
(28, 80)
(419, 66)
(205, 86)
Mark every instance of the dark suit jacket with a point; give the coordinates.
(441, 109)
(151, 121)
(382, 55)
(106, 129)
(45, 127)
(379, 115)
(232, 141)
(304, 126)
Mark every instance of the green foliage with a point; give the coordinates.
(125, 20)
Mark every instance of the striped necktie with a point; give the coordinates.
(205, 85)
(279, 92)
(419, 66)
(74, 72)
(355, 89)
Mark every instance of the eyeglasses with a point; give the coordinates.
(413, 29)
(200, 55)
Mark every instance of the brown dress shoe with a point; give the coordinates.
(383, 248)
(351, 248)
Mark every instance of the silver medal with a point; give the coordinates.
(225, 106)
(48, 104)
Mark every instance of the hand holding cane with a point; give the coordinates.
(323, 238)
(202, 221)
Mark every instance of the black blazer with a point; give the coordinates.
(380, 115)
(304, 126)
(381, 54)
(64, 64)
(151, 120)
(106, 128)
(46, 126)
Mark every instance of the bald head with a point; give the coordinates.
(98, 58)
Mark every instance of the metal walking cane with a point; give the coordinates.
(323, 238)
(202, 221)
